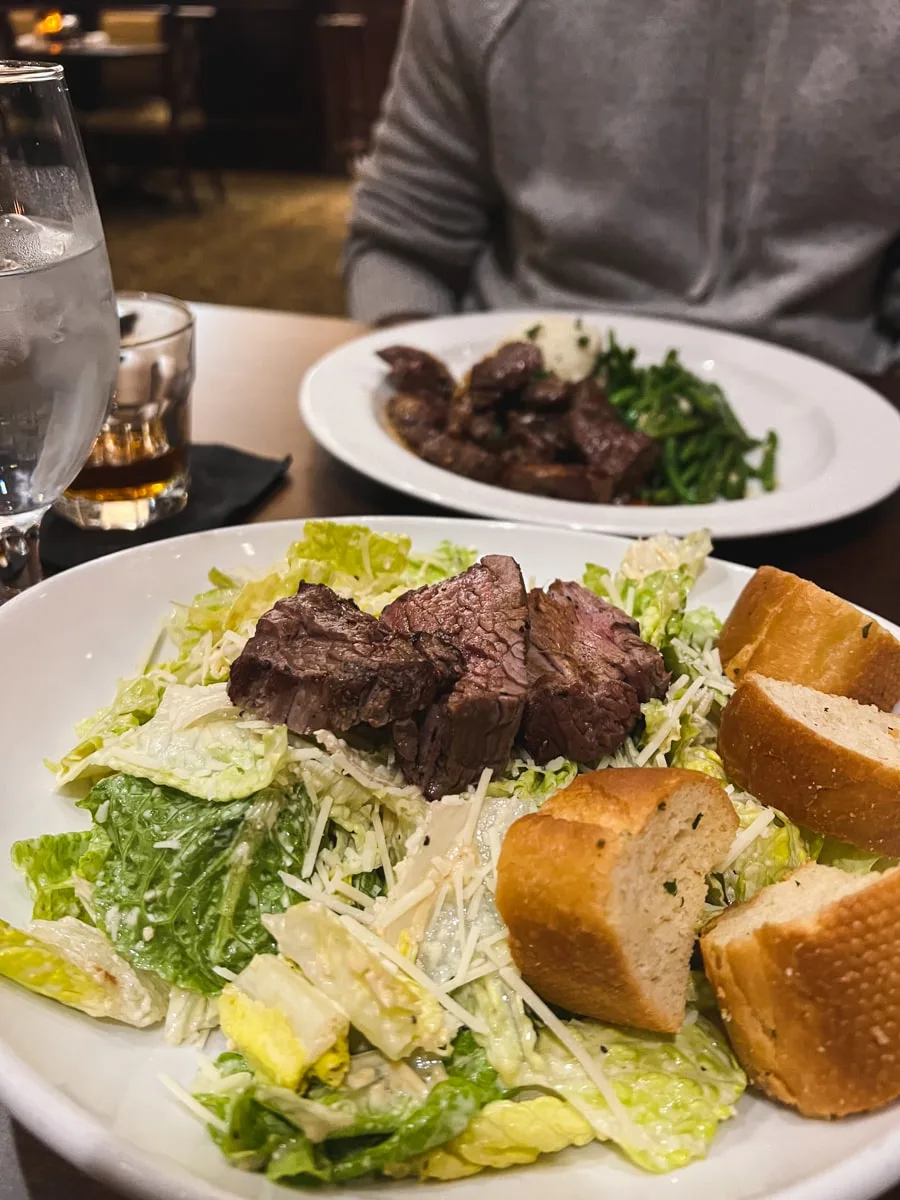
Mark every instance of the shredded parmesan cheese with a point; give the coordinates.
(323, 898)
(389, 876)
(380, 946)
(312, 853)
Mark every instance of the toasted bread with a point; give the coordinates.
(603, 888)
(807, 975)
(827, 762)
(787, 628)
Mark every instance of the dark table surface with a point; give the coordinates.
(239, 351)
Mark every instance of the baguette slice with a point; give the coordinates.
(807, 975)
(825, 761)
(602, 891)
(787, 628)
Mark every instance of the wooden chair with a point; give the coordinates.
(152, 99)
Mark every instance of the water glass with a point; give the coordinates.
(59, 338)
(137, 471)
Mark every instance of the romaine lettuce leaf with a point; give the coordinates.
(185, 883)
(675, 1090)
(255, 1133)
(135, 702)
(851, 859)
(774, 847)
(74, 964)
(190, 1018)
(653, 582)
(392, 1011)
(504, 1134)
(198, 742)
(279, 1021)
(49, 864)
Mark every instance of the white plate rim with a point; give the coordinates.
(60, 1123)
(851, 483)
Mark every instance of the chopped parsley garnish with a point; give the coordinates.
(533, 332)
(583, 342)
(671, 887)
(865, 629)
(696, 821)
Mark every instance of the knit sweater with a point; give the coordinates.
(733, 162)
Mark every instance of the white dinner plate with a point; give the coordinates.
(92, 1091)
(839, 440)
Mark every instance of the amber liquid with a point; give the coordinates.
(130, 464)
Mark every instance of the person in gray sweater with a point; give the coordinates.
(733, 162)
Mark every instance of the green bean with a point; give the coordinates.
(704, 444)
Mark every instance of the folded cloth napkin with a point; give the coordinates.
(226, 486)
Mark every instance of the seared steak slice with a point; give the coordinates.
(416, 418)
(317, 662)
(482, 612)
(462, 458)
(622, 454)
(511, 368)
(561, 481)
(550, 394)
(416, 371)
(588, 674)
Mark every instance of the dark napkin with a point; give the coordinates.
(226, 486)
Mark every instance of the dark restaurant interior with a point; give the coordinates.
(221, 138)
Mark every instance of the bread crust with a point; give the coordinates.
(788, 628)
(556, 880)
(786, 765)
(812, 1005)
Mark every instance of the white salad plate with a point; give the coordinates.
(92, 1090)
(839, 448)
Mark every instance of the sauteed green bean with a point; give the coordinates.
(706, 452)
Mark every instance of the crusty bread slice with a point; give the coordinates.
(807, 975)
(827, 762)
(602, 891)
(787, 628)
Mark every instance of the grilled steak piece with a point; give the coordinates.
(561, 481)
(416, 418)
(463, 458)
(588, 674)
(623, 454)
(483, 612)
(418, 372)
(536, 437)
(317, 662)
(511, 368)
(550, 394)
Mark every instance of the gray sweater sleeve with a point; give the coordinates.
(422, 204)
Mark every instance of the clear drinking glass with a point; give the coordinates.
(59, 337)
(137, 471)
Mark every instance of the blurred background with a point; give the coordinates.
(221, 138)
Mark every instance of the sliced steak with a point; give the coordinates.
(482, 612)
(509, 369)
(317, 662)
(417, 371)
(561, 481)
(588, 674)
(622, 454)
(550, 394)
(461, 457)
(416, 418)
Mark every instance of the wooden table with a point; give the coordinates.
(249, 367)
